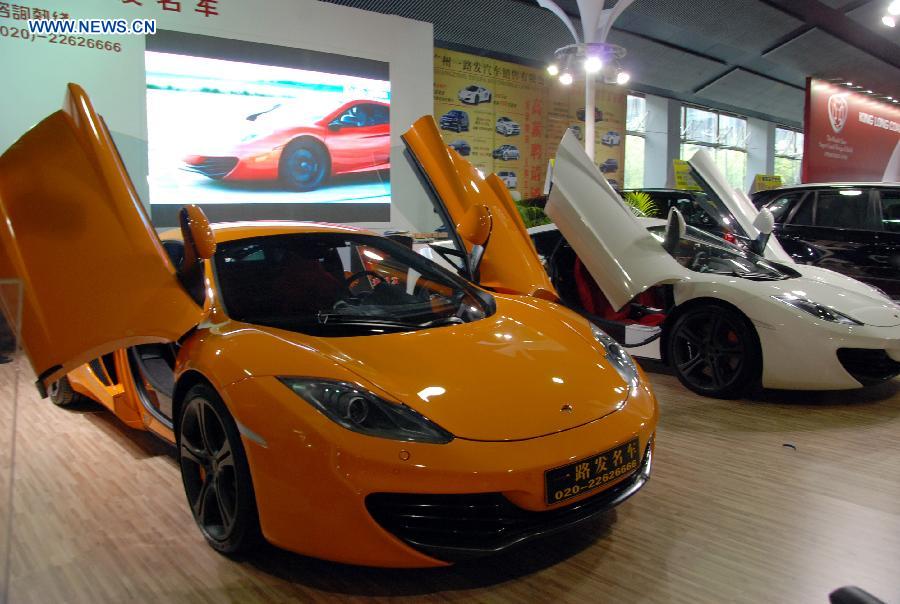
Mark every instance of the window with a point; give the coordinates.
(890, 210)
(781, 205)
(788, 155)
(723, 136)
(635, 131)
(839, 209)
(331, 284)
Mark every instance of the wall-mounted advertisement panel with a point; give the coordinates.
(849, 136)
(254, 131)
(508, 118)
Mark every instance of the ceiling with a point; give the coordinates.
(750, 57)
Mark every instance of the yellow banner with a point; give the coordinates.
(764, 182)
(508, 119)
(683, 179)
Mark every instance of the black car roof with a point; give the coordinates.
(836, 185)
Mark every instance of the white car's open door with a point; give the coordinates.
(732, 205)
(618, 252)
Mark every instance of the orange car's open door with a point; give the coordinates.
(73, 230)
(509, 262)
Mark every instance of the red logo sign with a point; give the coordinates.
(838, 109)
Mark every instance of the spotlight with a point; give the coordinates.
(593, 64)
(553, 69)
(566, 79)
(894, 8)
(889, 21)
(622, 78)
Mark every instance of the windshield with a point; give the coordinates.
(705, 253)
(337, 284)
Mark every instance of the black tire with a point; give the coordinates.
(714, 351)
(62, 395)
(304, 165)
(215, 473)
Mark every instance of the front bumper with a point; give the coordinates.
(316, 482)
(808, 354)
(461, 527)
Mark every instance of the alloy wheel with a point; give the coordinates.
(708, 351)
(208, 468)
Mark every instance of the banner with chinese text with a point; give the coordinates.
(508, 118)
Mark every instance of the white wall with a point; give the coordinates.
(34, 73)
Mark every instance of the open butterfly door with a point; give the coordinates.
(74, 232)
(506, 259)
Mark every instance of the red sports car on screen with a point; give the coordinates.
(355, 137)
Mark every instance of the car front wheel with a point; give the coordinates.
(215, 472)
(715, 351)
(304, 165)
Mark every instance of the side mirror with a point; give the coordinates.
(764, 222)
(199, 245)
(675, 231)
(334, 126)
(475, 228)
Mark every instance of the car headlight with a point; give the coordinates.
(816, 310)
(619, 358)
(361, 411)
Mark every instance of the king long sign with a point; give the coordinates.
(849, 136)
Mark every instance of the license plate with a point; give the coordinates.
(593, 472)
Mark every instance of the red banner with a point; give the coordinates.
(849, 136)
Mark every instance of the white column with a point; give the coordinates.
(760, 149)
(590, 95)
(663, 141)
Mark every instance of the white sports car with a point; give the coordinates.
(473, 95)
(724, 317)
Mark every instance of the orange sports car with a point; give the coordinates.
(327, 389)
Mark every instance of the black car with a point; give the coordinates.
(851, 228)
(455, 120)
(461, 147)
(598, 114)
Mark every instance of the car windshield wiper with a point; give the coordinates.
(325, 318)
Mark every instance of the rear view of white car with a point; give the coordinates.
(509, 178)
(611, 139)
(724, 317)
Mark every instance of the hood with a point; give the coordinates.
(844, 294)
(505, 377)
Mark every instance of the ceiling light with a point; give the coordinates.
(869, 91)
(593, 64)
(566, 79)
(622, 78)
(894, 7)
(553, 69)
(889, 21)
(848, 83)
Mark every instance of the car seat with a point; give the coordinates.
(636, 311)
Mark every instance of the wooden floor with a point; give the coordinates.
(731, 514)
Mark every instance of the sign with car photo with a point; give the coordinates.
(508, 119)
(225, 133)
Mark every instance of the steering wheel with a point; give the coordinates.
(355, 276)
(699, 257)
